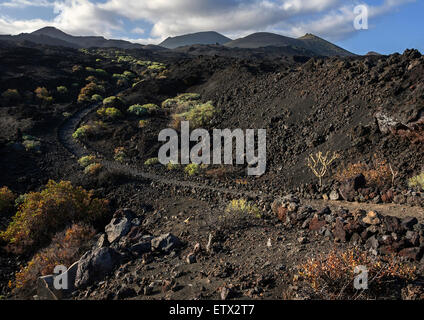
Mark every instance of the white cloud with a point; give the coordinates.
(26, 3)
(138, 30)
(332, 19)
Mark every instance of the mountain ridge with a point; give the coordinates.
(205, 37)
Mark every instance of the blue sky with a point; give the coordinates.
(394, 25)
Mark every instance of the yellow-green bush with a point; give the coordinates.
(42, 214)
(151, 161)
(143, 110)
(62, 90)
(66, 248)
(173, 166)
(112, 101)
(192, 169)
(93, 169)
(96, 98)
(417, 181)
(111, 113)
(119, 154)
(143, 123)
(86, 161)
(243, 206)
(7, 200)
(88, 129)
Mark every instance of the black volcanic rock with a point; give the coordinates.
(210, 37)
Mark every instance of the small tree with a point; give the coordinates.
(319, 164)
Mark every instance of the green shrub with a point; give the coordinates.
(7, 200)
(86, 161)
(129, 75)
(62, 90)
(143, 123)
(170, 103)
(112, 101)
(417, 181)
(151, 161)
(90, 69)
(173, 166)
(119, 154)
(156, 66)
(188, 97)
(93, 169)
(192, 169)
(199, 115)
(143, 110)
(111, 113)
(31, 143)
(47, 212)
(88, 129)
(243, 206)
(102, 73)
(96, 98)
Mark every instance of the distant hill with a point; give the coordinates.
(322, 47)
(55, 37)
(309, 42)
(209, 37)
(373, 53)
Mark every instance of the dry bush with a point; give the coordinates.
(66, 248)
(379, 173)
(7, 200)
(320, 164)
(414, 136)
(42, 214)
(333, 275)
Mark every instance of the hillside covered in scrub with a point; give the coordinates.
(82, 185)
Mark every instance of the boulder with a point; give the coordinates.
(165, 243)
(144, 246)
(348, 189)
(339, 231)
(392, 224)
(120, 225)
(372, 218)
(413, 254)
(316, 224)
(334, 195)
(95, 265)
(409, 223)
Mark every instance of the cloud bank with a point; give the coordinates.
(157, 19)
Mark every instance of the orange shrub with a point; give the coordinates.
(66, 248)
(42, 214)
(7, 200)
(378, 173)
(334, 273)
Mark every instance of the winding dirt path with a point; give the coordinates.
(78, 150)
